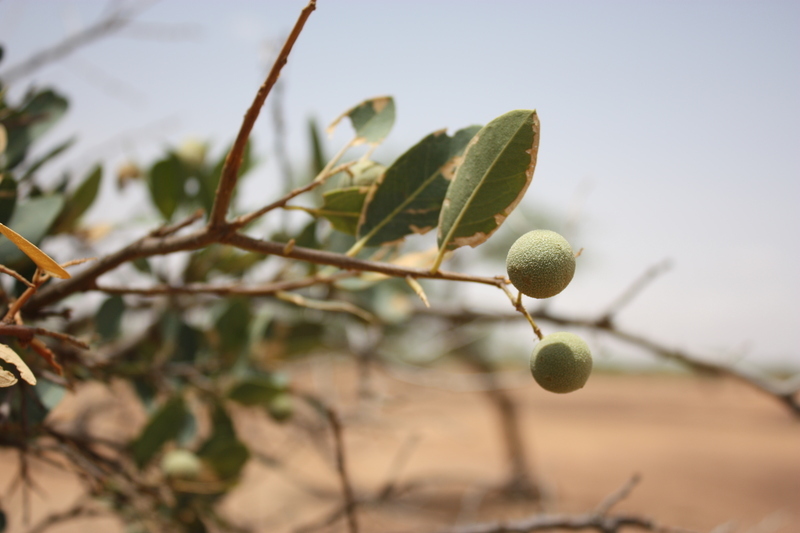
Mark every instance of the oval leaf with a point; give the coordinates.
(81, 200)
(409, 195)
(497, 169)
(32, 219)
(342, 207)
(10, 356)
(166, 180)
(42, 260)
(165, 425)
(8, 198)
(372, 119)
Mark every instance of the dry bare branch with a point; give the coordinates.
(230, 170)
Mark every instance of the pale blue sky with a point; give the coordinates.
(680, 119)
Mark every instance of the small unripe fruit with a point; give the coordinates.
(561, 362)
(280, 407)
(181, 464)
(540, 264)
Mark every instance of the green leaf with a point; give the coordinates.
(318, 158)
(165, 425)
(189, 343)
(255, 391)
(166, 180)
(108, 319)
(8, 198)
(37, 115)
(223, 451)
(50, 394)
(80, 201)
(497, 169)
(409, 195)
(36, 165)
(342, 207)
(232, 326)
(372, 119)
(31, 219)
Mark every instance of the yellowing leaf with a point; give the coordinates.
(42, 260)
(10, 356)
(7, 378)
(3, 139)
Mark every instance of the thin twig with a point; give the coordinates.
(99, 29)
(613, 499)
(16, 275)
(787, 394)
(230, 170)
(599, 520)
(25, 334)
(350, 263)
(341, 467)
(635, 289)
(80, 510)
(238, 289)
(243, 220)
(517, 303)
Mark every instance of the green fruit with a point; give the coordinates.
(540, 264)
(280, 407)
(181, 464)
(561, 362)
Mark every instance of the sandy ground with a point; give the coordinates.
(709, 452)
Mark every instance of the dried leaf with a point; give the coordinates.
(10, 356)
(7, 378)
(42, 260)
(417, 288)
(3, 139)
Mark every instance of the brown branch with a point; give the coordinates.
(787, 394)
(25, 334)
(598, 520)
(144, 247)
(226, 290)
(58, 51)
(349, 263)
(243, 220)
(634, 290)
(230, 170)
(80, 510)
(341, 467)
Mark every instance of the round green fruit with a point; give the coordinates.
(280, 407)
(561, 362)
(540, 264)
(181, 464)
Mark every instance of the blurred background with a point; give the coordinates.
(669, 137)
(669, 129)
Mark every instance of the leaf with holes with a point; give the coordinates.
(497, 169)
(372, 119)
(11, 357)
